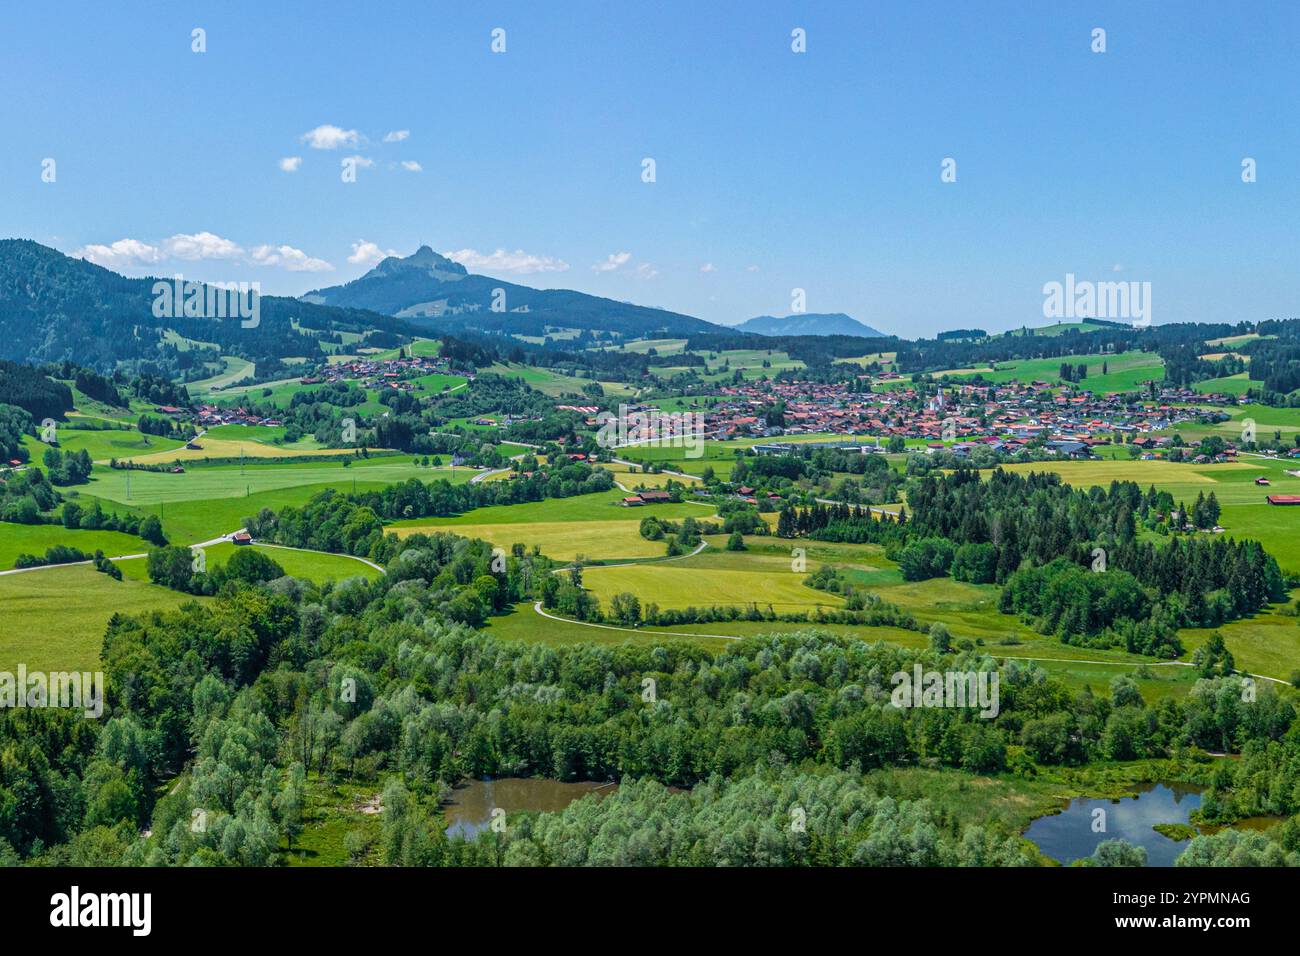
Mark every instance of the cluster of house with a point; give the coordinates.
(1003, 417)
(380, 373)
(210, 416)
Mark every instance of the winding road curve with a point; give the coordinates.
(202, 544)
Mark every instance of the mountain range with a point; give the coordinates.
(434, 293)
(809, 323)
(55, 307)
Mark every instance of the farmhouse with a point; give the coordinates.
(241, 537)
(647, 498)
(1284, 499)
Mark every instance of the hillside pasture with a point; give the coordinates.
(54, 619)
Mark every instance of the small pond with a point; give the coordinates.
(470, 809)
(1069, 835)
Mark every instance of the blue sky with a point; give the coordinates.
(774, 170)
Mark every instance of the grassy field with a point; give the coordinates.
(661, 346)
(1245, 513)
(1232, 341)
(1228, 385)
(279, 392)
(264, 434)
(1267, 419)
(523, 624)
(312, 565)
(102, 445)
(561, 540)
(712, 577)
(236, 370)
(54, 619)
(226, 481)
(1125, 371)
(545, 381)
(207, 501)
(1268, 644)
(602, 506)
(210, 448)
(594, 526)
(884, 359)
(624, 475)
(420, 348)
(16, 539)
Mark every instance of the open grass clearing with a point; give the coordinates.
(54, 619)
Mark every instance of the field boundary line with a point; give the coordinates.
(537, 606)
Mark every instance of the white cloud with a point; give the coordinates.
(368, 253)
(359, 161)
(645, 270)
(126, 254)
(287, 257)
(290, 164)
(197, 246)
(411, 166)
(331, 137)
(518, 262)
(119, 255)
(613, 261)
(397, 135)
(751, 268)
(708, 267)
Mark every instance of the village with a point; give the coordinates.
(1071, 422)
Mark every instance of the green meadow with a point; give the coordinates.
(232, 480)
(54, 618)
(312, 565)
(1125, 371)
(1268, 644)
(104, 444)
(200, 519)
(1245, 512)
(1228, 385)
(16, 539)
(233, 370)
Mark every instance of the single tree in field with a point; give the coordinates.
(940, 638)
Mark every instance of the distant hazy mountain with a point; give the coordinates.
(431, 291)
(810, 323)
